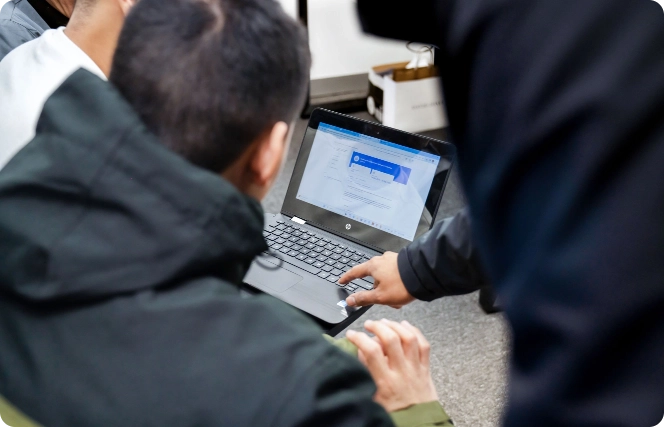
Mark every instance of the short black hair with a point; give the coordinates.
(208, 77)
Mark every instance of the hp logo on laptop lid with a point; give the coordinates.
(347, 226)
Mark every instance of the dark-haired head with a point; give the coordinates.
(216, 80)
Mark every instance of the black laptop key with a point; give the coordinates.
(323, 275)
(362, 284)
(301, 264)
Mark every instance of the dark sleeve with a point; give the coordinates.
(12, 36)
(336, 391)
(442, 262)
(413, 21)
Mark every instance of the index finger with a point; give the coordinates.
(372, 351)
(357, 272)
(389, 340)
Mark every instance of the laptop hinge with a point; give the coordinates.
(298, 220)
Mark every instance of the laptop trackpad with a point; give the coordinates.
(266, 274)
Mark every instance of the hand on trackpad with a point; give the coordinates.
(267, 274)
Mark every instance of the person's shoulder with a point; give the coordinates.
(16, 21)
(45, 62)
(14, 31)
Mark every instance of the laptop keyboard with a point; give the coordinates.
(322, 256)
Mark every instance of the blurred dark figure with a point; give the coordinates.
(557, 108)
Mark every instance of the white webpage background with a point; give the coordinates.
(368, 196)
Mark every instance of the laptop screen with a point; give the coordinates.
(376, 182)
(376, 186)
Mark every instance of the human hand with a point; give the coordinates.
(388, 286)
(398, 360)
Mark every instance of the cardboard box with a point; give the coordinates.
(406, 99)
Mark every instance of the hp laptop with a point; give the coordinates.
(358, 189)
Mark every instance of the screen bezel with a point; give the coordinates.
(359, 232)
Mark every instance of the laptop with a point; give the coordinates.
(358, 189)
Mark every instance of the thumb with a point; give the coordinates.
(364, 298)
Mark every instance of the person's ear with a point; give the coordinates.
(267, 161)
(126, 5)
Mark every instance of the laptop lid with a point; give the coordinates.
(374, 185)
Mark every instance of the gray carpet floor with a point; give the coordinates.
(469, 349)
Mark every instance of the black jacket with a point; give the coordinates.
(443, 262)
(557, 110)
(119, 304)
